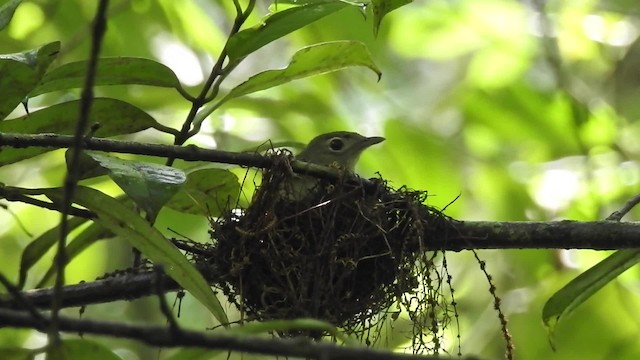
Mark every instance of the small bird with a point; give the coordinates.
(341, 149)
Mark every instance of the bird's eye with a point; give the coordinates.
(336, 144)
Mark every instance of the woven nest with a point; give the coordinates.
(343, 254)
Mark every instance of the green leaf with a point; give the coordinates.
(382, 8)
(20, 73)
(149, 185)
(114, 116)
(17, 354)
(38, 247)
(309, 61)
(278, 25)
(6, 12)
(80, 349)
(567, 299)
(207, 192)
(110, 71)
(128, 225)
(86, 238)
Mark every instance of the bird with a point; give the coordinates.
(340, 149)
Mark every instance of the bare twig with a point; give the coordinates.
(163, 337)
(99, 28)
(619, 214)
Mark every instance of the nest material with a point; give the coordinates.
(342, 254)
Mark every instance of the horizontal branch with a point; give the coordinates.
(463, 235)
(186, 153)
(566, 234)
(166, 337)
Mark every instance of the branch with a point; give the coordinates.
(462, 235)
(187, 153)
(165, 337)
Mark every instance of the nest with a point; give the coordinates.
(345, 253)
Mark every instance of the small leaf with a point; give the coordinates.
(567, 299)
(207, 192)
(115, 117)
(110, 71)
(278, 25)
(20, 73)
(309, 61)
(382, 8)
(149, 185)
(38, 247)
(128, 225)
(6, 12)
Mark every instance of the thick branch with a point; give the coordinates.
(462, 235)
(164, 337)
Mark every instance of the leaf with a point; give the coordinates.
(278, 25)
(382, 8)
(20, 73)
(38, 247)
(207, 192)
(115, 117)
(309, 61)
(128, 225)
(149, 185)
(86, 238)
(567, 299)
(6, 12)
(110, 71)
(7, 353)
(80, 349)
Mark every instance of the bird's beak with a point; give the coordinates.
(372, 141)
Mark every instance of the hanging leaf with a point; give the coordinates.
(110, 71)
(150, 186)
(127, 224)
(20, 73)
(6, 12)
(567, 299)
(382, 7)
(278, 25)
(208, 192)
(38, 247)
(69, 349)
(115, 117)
(309, 61)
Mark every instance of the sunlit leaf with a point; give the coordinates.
(382, 7)
(567, 299)
(6, 12)
(149, 185)
(110, 71)
(20, 73)
(278, 25)
(115, 117)
(128, 225)
(309, 61)
(207, 192)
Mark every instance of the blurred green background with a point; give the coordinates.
(527, 111)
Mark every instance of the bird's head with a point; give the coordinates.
(341, 147)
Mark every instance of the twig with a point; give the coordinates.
(163, 337)
(619, 214)
(99, 28)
